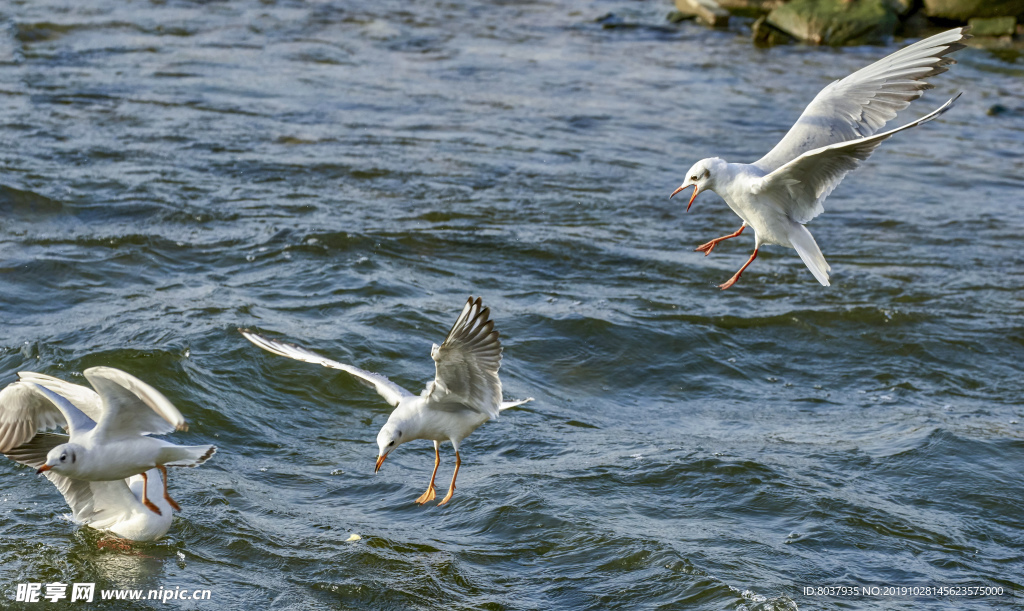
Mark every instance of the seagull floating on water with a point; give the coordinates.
(465, 392)
(107, 445)
(779, 193)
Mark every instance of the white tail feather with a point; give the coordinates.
(185, 456)
(807, 248)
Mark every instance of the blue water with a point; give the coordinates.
(345, 174)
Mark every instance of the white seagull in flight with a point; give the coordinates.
(779, 193)
(464, 394)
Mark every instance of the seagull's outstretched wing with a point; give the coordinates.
(24, 411)
(99, 504)
(28, 407)
(860, 104)
(467, 363)
(131, 407)
(82, 397)
(391, 392)
(799, 187)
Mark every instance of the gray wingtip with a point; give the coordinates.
(941, 110)
(949, 103)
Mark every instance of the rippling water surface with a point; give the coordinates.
(344, 174)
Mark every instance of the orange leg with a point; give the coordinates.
(732, 281)
(167, 496)
(707, 248)
(146, 501)
(451, 489)
(429, 494)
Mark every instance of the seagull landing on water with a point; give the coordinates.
(104, 465)
(115, 506)
(779, 193)
(465, 393)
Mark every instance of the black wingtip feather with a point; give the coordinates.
(477, 330)
(205, 457)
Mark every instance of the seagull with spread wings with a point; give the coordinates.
(107, 444)
(464, 394)
(779, 193)
(115, 506)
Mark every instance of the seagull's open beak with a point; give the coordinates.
(42, 469)
(692, 197)
(380, 461)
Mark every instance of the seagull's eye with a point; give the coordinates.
(63, 457)
(392, 443)
(693, 178)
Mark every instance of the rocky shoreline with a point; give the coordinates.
(994, 23)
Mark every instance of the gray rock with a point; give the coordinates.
(611, 20)
(766, 35)
(962, 10)
(1012, 45)
(680, 16)
(750, 8)
(993, 26)
(708, 12)
(836, 22)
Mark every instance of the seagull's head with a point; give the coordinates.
(62, 459)
(389, 438)
(701, 177)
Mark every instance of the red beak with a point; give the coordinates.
(42, 469)
(380, 461)
(692, 197)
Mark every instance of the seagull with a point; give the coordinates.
(108, 429)
(464, 394)
(115, 506)
(779, 193)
